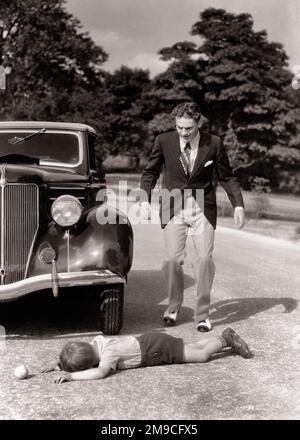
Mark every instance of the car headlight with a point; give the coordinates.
(66, 210)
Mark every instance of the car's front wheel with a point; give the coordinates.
(111, 309)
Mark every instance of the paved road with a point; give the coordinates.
(256, 291)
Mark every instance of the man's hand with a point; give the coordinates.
(64, 376)
(146, 210)
(239, 216)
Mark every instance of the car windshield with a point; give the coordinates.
(50, 147)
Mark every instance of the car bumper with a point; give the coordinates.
(66, 279)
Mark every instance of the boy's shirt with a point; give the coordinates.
(118, 353)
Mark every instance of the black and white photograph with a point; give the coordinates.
(149, 213)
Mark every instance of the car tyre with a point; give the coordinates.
(111, 309)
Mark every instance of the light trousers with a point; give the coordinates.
(189, 223)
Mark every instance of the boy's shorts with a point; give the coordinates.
(159, 348)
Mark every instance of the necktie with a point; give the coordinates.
(185, 158)
(187, 150)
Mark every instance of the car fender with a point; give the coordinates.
(90, 245)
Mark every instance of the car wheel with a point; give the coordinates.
(111, 309)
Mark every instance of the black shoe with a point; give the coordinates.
(170, 318)
(237, 343)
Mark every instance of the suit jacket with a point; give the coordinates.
(211, 161)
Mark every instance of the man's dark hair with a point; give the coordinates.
(187, 110)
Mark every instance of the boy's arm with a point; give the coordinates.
(51, 367)
(90, 374)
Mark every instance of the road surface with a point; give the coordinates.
(256, 291)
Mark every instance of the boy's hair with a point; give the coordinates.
(187, 110)
(76, 356)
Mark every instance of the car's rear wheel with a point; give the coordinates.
(111, 309)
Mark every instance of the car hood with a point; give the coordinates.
(20, 173)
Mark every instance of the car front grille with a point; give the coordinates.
(19, 217)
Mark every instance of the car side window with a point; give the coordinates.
(92, 156)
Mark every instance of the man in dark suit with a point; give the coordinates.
(189, 159)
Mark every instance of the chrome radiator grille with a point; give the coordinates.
(19, 216)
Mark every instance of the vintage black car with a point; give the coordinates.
(50, 233)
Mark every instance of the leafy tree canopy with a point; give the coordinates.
(239, 79)
(50, 57)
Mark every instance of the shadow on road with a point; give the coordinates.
(147, 301)
(75, 312)
(239, 309)
(41, 315)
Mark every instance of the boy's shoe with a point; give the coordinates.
(170, 318)
(237, 343)
(204, 326)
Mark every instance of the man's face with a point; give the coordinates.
(187, 128)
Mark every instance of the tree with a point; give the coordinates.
(51, 59)
(178, 83)
(239, 80)
(125, 112)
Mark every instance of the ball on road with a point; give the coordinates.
(21, 372)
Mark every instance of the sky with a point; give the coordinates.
(133, 31)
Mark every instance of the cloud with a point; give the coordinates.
(148, 61)
(109, 38)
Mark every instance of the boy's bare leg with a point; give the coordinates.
(202, 350)
(203, 341)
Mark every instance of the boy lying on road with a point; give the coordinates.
(105, 354)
